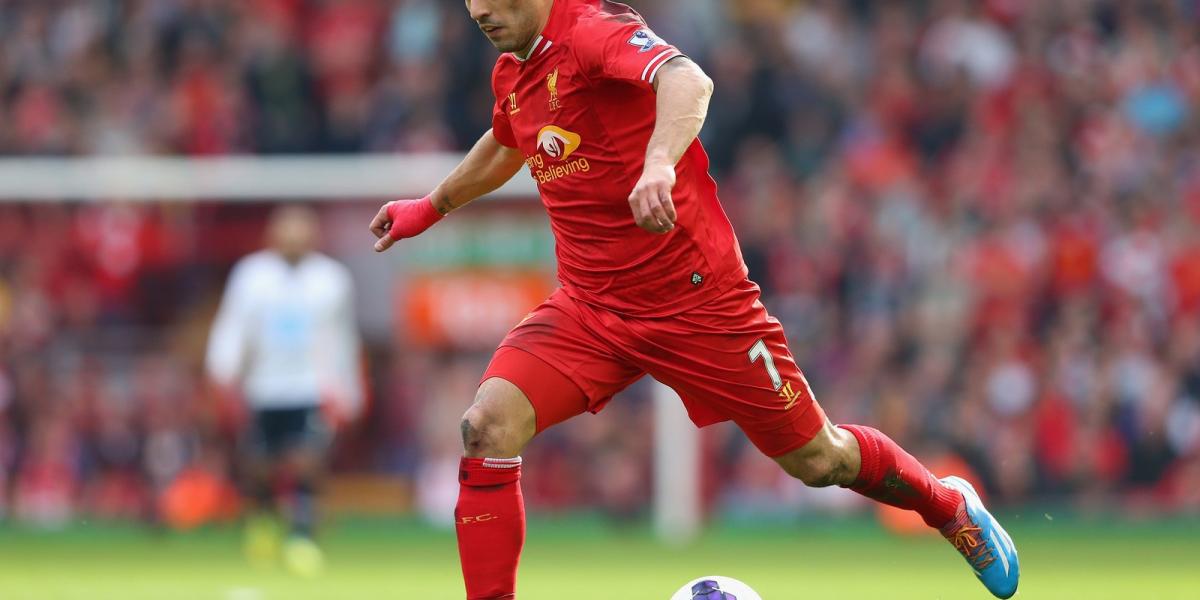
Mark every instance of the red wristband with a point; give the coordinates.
(411, 217)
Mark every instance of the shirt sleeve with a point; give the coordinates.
(228, 342)
(625, 49)
(501, 127)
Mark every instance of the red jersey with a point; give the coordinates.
(581, 108)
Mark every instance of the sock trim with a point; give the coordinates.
(502, 463)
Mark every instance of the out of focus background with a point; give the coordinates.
(979, 223)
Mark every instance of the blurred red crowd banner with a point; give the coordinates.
(198, 496)
(471, 309)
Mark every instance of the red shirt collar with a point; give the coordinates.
(556, 26)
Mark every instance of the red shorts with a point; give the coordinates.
(728, 360)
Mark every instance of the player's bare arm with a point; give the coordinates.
(682, 106)
(486, 167)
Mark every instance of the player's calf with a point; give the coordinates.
(892, 476)
(307, 464)
(831, 458)
(866, 461)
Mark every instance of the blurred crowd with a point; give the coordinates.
(978, 221)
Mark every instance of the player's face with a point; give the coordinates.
(511, 25)
(292, 231)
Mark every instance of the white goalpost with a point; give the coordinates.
(677, 498)
(677, 490)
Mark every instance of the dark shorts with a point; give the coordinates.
(275, 431)
(728, 360)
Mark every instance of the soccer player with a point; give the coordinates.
(606, 114)
(285, 341)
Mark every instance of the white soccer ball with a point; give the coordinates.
(715, 587)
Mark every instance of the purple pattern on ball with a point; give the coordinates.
(710, 590)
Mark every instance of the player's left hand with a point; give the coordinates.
(231, 411)
(651, 202)
(402, 219)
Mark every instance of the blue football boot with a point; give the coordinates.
(984, 543)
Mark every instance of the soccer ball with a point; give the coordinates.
(715, 587)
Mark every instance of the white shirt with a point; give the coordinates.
(286, 333)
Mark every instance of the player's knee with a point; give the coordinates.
(494, 426)
(306, 463)
(477, 433)
(484, 434)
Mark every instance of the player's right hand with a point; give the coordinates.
(402, 219)
(653, 208)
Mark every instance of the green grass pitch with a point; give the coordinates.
(583, 560)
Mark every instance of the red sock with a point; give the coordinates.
(892, 476)
(490, 520)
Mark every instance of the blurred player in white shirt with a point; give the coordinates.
(285, 341)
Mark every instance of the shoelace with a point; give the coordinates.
(968, 541)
